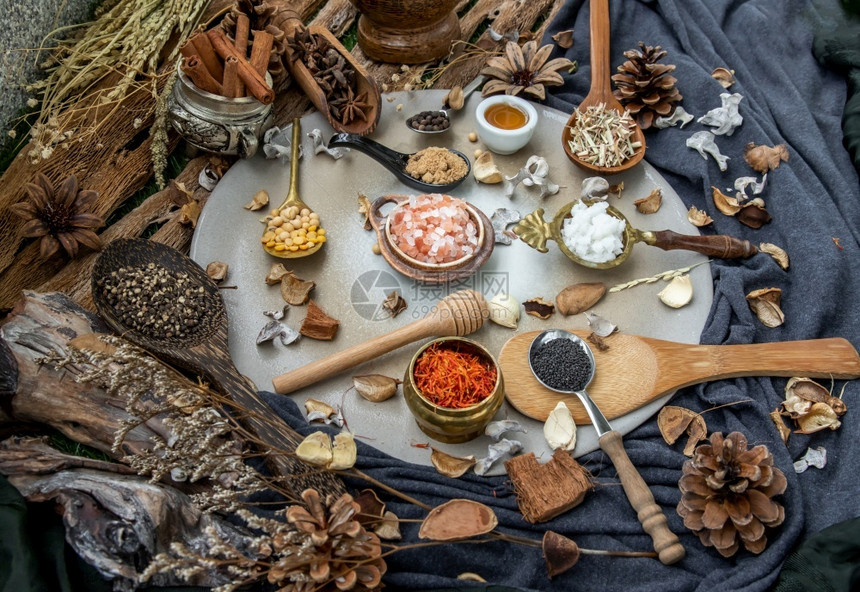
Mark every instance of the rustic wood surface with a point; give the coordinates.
(116, 163)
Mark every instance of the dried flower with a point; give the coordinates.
(61, 217)
(524, 70)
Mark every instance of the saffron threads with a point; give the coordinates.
(454, 376)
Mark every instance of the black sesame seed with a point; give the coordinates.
(561, 364)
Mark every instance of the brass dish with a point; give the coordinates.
(535, 231)
(448, 425)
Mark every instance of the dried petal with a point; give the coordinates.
(698, 431)
(375, 387)
(454, 99)
(601, 327)
(560, 429)
(559, 552)
(579, 297)
(765, 158)
(318, 325)
(486, 170)
(260, 201)
(217, 271)
(765, 304)
(449, 465)
(650, 204)
(778, 254)
(726, 204)
(698, 217)
(457, 519)
(370, 507)
(364, 209)
(724, 76)
(564, 39)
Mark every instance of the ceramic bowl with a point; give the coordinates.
(502, 141)
(443, 423)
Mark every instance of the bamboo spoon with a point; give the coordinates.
(458, 314)
(293, 200)
(601, 92)
(652, 518)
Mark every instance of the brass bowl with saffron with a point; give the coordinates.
(448, 424)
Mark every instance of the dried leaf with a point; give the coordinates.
(560, 429)
(259, 201)
(559, 552)
(344, 452)
(217, 271)
(820, 416)
(601, 327)
(579, 297)
(726, 204)
(318, 325)
(784, 430)
(364, 208)
(294, 290)
(389, 527)
(698, 217)
(724, 76)
(650, 204)
(778, 254)
(538, 307)
(457, 519)
(315, 449)
(814, 457)
(394, 303)
(809, 390)
(496, 429)
(753, 215)
(678, 293)
(564, 39)
(276, 273)
(765, 304)
(449, 465)
(375, 387)
(765, 158)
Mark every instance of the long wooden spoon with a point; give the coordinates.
(460, 313)
(601, 91)
(204, 351)
(637, 370)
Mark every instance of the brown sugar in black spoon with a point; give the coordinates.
(204, 351)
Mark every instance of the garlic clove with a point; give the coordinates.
(560, 429)
(504, 310)
(678, 293)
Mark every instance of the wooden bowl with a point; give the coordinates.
(430, 272)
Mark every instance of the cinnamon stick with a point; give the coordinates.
(188, 50)
(198, 73)
(243, 30)
(261, 49)
(207, 55)
(255, 83)
(231, 78)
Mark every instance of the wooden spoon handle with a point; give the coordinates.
(721, 246)
(599, 31)
(666, 543)
(353, 356)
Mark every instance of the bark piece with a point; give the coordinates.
(318, 325)
(545, 491)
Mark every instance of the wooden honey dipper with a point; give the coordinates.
(458, 314)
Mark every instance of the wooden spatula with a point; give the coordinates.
(637, 370)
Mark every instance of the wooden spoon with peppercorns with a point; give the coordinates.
(200, 346)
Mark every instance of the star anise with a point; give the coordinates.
(524, 69)
(61, 217)
(349, 107)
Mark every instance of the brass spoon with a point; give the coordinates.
(293, 199)
(601, 92)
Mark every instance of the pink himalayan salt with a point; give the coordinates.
(434, 228)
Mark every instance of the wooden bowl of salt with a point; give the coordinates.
(433, 238)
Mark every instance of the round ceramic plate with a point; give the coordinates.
(352, 282)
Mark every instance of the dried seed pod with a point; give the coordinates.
(821, 416)
(294, 290)
(389, 527)
(753, 214)
(765, 304)
(650, 204)
(449, 465)
(726, 204)
(674, 421)
(538, 307)
(778, 254)
(784, 430)
(559, 552)
(315, 449)
(724, 76)
(678, 293)
(318, 410)
(765, 158)
(564, 39)
(371, 508)
(217, 271)
(595, 188)
(457, 519)
(809, 390)
(504, 310)
(260, 201)
(364, 210)
(394, 303)
(698, 217)
(375, 387)
(343, 452)
(276, 274)
(579, 297)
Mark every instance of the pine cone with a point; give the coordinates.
(727, 494)
(339, 555)
(260, 14)
(644, 87)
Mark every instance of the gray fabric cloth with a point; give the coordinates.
(814, 198)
